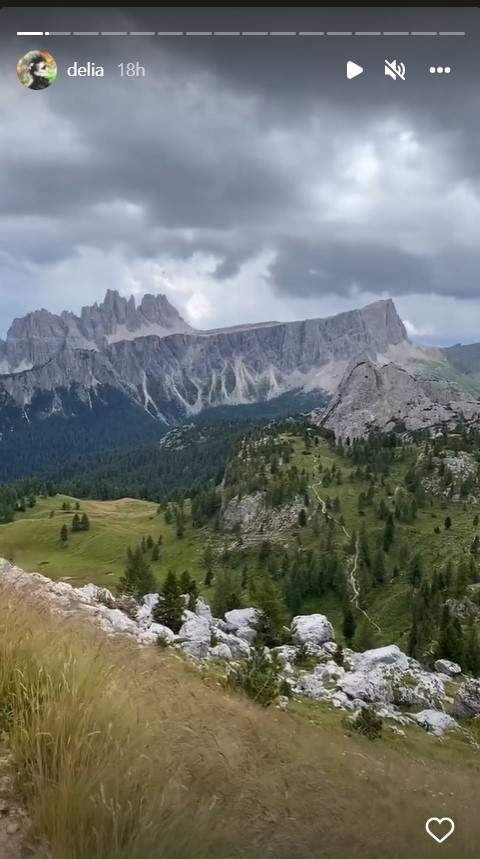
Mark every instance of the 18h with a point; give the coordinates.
(131, 70)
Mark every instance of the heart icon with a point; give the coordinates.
(443, 825)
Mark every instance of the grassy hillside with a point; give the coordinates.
(33, 539)
(129, 752)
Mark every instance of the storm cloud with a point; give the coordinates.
(246, 178)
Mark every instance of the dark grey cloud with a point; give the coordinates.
(239, 159)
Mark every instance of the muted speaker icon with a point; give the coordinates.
(395, 70)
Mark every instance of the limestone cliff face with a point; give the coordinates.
(154, 357)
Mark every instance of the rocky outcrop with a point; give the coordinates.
(257, 521)
(373, 397)
(385, 678)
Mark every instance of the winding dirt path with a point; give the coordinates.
(352, 577)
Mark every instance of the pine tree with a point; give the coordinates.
(302, 518)
(450, 644)
(155, 553)
(267, 597)
(227, 592)
(63, 534)
(169, 608)
(138, 578)
(193, 595)
(415, 571)
(472, 652)
(208, 577)
(185, 582)
(348, 626)
(448, 523)
(85, 523)
(388, 532)
(76, 522)
(365, 637)
(378, 567)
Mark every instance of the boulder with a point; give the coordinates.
(240, 617)
(246, 633)
(389, 655)
(416, 688)
(202, 609)
(342, 701)
(373, 687)
(313, 629)
(239, 648)
(467, 700)
(144, 616)
(161, 631)
(328, 671)
(435, 722)
(195, 628)
(221, 651)
(312, 687)
(444, 666)
(286, 654)
(196, 648)
(150, 600)
(115, 621)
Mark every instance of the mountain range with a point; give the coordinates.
(122, 373)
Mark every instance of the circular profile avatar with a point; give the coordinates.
(36, 70)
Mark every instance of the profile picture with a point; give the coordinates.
(36, 70)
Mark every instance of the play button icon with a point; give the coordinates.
(353, 70)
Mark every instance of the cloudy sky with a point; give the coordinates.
(245, 177)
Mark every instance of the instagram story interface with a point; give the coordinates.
(239, 433)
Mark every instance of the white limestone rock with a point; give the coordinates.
(343, 702)
(240, 649)
(195, 648)
(286, 654)
(246, 633)
(221, 651)
(92, 593)
(202, 609)
(150, 600)
(241, 617)
(435, 722)
(467, 700)
(144, 616)
(372, 687)
(313, 629)
(312, 686)
(195, 628)
(389, 655)
(114, 621)
(444, 666)
(416, 688)
(163, 632)
(329, 671)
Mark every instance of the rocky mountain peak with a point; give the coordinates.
(382, 318)
(118, 318)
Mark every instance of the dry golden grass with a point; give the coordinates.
(128, 752)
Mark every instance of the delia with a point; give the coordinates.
(91, 70)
